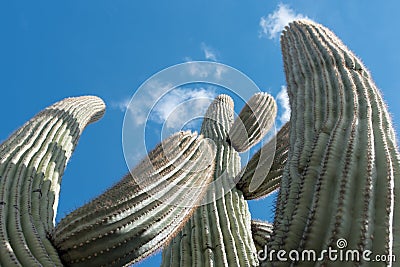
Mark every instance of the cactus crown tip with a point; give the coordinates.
(298, 22)
(225, 99)
(92, 98)
(186, 133)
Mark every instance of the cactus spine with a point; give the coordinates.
(32, 162)
(343, 159)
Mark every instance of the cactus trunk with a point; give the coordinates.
(343, 161)
(32, 162)
(218, 233)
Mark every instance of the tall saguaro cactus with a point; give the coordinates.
(219, 232)
(32, 162)
(342, 176)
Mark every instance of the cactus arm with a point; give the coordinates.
(143, 211)
(219, 232)
(342, 163)
(261, 232)
(32, 161)
(254, 121)
(261, 176)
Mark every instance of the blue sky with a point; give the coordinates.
(50, 50)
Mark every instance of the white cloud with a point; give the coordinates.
(121, 105)
(209, 53)
(283, 101)
(272, 24)
(210, 71)
(161, 102)
(165, 109)
(181, 105)
(142, 103)
(173, 108)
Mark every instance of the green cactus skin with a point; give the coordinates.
(261, 176)
(342, 176)
(261, 232)
(254, 121)
(218, 233)
(32, 162)
(140, 213)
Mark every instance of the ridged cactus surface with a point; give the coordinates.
(254, 121)
(342, 176)
(32, 162)
(219, 232)
(262, 174)
(141, 212)
(261, 232)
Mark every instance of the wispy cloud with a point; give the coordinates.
(283, 101)
(209, 52)
(163, 109)
(165, 105)
(121, 105)
(182, 105)
(273, 24)
(209, 71)
(143, 102)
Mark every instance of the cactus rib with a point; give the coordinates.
(32, 161)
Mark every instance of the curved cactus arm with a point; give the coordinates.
(262, 174)
(218, 233)
(143, 211)
(342, 178)
(261, 232)
(254, 121)
(32, 162)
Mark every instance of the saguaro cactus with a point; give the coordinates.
(219, 233)
(144, 206)
(336, 162)
(141, 212)
(32, 162)
(342, 176)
